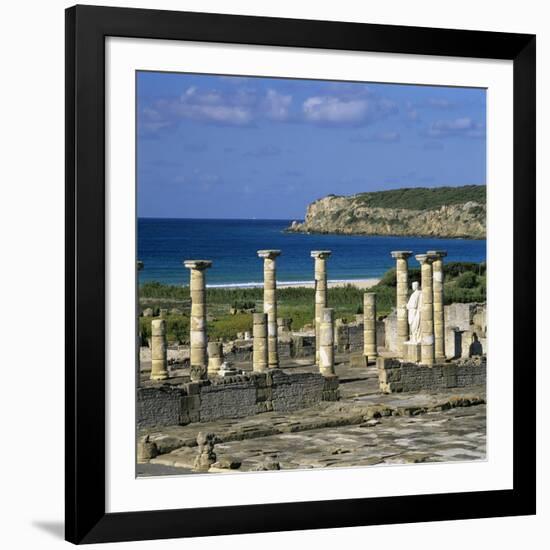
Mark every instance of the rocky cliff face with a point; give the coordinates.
(353, 216)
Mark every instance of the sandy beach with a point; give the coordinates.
(358, 283)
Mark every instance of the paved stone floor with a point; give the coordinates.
(456, 434)
(364, 428)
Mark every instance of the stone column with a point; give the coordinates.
(140, 338)
(197, 289)
(369, 327)
(427, 312)
(326, 341)
(320, 257)
(402, 290)
(159, 363)
(259, 333)
(270, 304)
(439, 312)
(215, 357)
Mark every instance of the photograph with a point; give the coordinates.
(311, 266)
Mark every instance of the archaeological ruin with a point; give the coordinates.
(422, 345)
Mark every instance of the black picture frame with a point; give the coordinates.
(86, 30)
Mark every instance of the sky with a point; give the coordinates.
(213, 146)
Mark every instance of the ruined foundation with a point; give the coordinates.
(234, 397)
(399, 376)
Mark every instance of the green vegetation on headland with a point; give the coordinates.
(449, 212)
(229, 309)
(424, 198)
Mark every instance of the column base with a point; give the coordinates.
(358, 361)
(411, 352)
(159, 377)
(328, 373)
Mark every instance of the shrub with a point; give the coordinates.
(423, 198)
(468, 279)
(227, 327)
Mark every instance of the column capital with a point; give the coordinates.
(323, 254)
(197, 264)
(438, 254)
(424, 258)
(269, 254)
(401, 254)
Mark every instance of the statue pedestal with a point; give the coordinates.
(411, 352)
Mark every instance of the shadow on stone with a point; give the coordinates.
(475, 347)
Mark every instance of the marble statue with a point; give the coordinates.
(414, 308)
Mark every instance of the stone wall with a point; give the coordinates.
(462, 322)
(174, 353)
(465, 330)
(232, 397)
(348, 337)
(395, 376)
(303, 345)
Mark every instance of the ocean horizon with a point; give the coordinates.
(164, 243)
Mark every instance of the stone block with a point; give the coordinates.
(192, 388)
(358, 360)
(412, 352)
(415, 377)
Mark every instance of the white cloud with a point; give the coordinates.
(152, 122)
(346, 110)
(243, 106)
(211, 106)
(335, 111)
(464, 126)
(276, 106)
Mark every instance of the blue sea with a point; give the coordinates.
(163, 244)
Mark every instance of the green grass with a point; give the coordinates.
(464, 282)
(424, 198)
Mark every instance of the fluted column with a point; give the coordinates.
(259, 333)
(270, 304)
(197, 288)
(369, 327)
(326, 340)
(159, 363)
(439, 312)
(321, 302)
(427, 312)
(402, 293)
